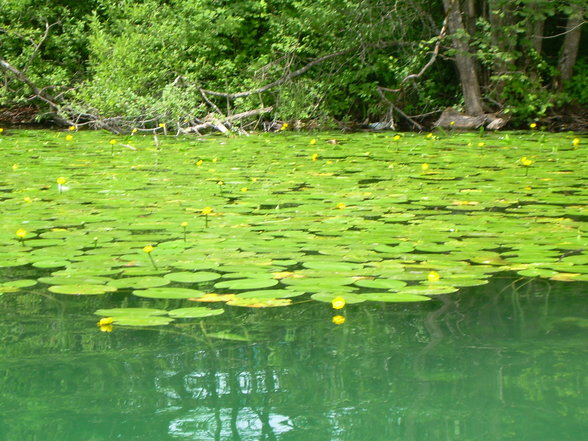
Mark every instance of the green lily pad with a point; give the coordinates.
(270, 294)
(168, 293)
(81, 289)
(195, 312)
(130, 312)
(190, 277)
(394, 297)
(24, 283)
(246, 284)
(148, 320)
(139, 282)
(328, 297)
(259, 302)
(380, 283)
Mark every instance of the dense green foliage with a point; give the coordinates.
(146, 61)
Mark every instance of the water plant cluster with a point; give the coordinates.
(276, 219)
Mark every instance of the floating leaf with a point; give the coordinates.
(81, 289)
(380, 283)
(394, 297)
(130, 312)
(149, 320)
(259, 302)
(328, 297)
(190, 277)
(240, 284)
(168, 293)
(195, 312)
(211, 298)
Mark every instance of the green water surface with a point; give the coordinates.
(497, 362)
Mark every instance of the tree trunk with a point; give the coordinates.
(569, 52)
(463, 59)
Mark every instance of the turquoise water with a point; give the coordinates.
(496, 362)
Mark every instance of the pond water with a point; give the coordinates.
(505, 361)
(293, 287)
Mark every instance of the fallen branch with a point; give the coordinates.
(221, 123)
(415, 76)
(39, 93)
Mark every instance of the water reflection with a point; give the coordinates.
(492, 363)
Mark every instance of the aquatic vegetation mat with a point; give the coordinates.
(275, 219)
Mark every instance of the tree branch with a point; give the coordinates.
(39, 93)
(281, 80)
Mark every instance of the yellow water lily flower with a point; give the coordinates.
(162, 125)
(244, 189)
(135, 130)
(112, 141)
(533, 125)
(341, 205)
(433, 276)
(576, 142)
(148, 249)
(425, 166)
(61, 180)
(338, 303)
(68, 137)
(1, 130)
(396, 137)
(451, 123)
(481, 144)
(71, 128)
(105, 321)
(284, 126)
(199, 162)
(312, 141)
(206, 210)
(526, 161)
(184, 224)
(27, 199)
(429, 135)
(315, 156)
(21, 233)
(106, 328)
(338, 319)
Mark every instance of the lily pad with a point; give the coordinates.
(130, 312)
(148, 320)
(394, 297)
(259, 302)
(192, 277)
(246, 284)
(197, 312)
(168, 293)
(81, 289)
